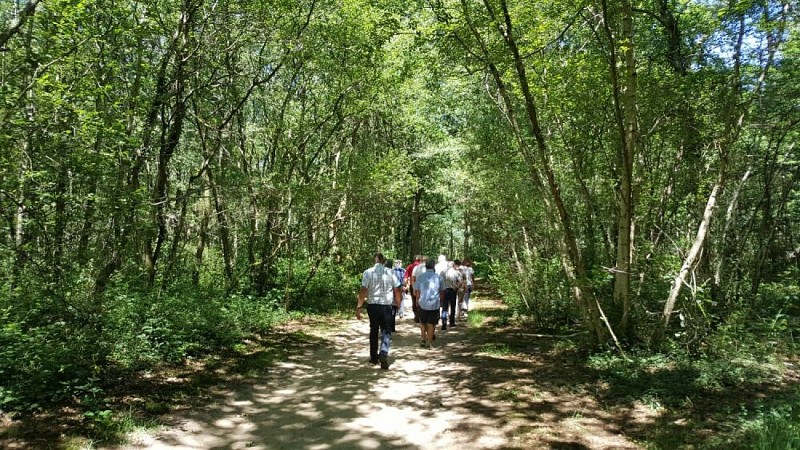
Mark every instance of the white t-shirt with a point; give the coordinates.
(441, 266)
(453, 278)
(380, 282)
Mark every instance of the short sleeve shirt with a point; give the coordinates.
(452, 278)
(399, 272)
(429, 285)
(419, 270)
(380, 282)
(441, 268)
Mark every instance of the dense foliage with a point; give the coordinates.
(175, 176)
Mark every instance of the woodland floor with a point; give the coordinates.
(311, 386)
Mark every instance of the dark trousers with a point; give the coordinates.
(415, 306)
(449, 303)
(380, 318)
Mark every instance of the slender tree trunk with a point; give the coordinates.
(60, 228)
(202, 235)
(21, 254)
(177, 239)
(86, 228)
(625, 99)
(538, 164)
(416, 223)
(221, 216)
(171, 135)
(690, 261)
(577, 271)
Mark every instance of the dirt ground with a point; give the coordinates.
(458, 395)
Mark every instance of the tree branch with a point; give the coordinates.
(16, 25)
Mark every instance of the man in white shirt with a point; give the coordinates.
(380, 289)
(441, 265)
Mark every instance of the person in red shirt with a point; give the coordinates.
(407, 282)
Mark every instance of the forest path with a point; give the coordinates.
(459, 395)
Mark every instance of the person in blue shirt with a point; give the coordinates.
(429, 288)
(399, 272)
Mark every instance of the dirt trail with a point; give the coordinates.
(452, 397)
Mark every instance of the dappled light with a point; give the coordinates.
(329, 397)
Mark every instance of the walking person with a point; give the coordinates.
(418, 270)
(429, 288)
(393, 327)
(441, 265)
(380, 290)
(466, 269)
(452, 283)
(408, 282)
(399, 272)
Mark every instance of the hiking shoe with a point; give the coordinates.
(373, 361)
(444, 327)
(384, 362)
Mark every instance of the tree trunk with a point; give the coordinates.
(170, 138)
(202, 235)
(416, 224)
(539, 167)
(689, 262)
(625, 99)
(576, 273)
(224, 228)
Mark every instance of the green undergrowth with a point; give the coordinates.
(475, 319)
(62, 346)
(495, 349)
(77, 351)
(125, 402)
(740, 398)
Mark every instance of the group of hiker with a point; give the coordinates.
(437, 289)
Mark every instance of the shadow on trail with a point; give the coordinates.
(145, 395)
(496, 387)
(327, 395)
